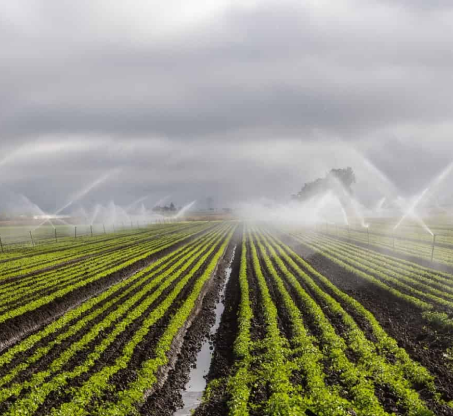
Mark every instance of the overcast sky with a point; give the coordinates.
(232, 99)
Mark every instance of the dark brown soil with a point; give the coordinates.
(223, 358)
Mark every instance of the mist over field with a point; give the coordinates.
(241, 102)
(226, 207)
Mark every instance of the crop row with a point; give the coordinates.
(133, 307)
(424, 287)
(126, 400)
(59, 277)
(443, 232)
(69, 248)
(239, 384)
(315, 352)
(418, 291)
(57, 285)
(369, 361)
(66, 243)
(412, 245)
(69, 274)
(97, 305)
(439, 279)
(27, 265)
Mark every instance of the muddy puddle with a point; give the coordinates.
(193, 391)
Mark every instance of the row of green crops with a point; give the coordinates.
(88, 266)
(313, 332)
(432, 278)
(427, 290)
(239, 384)
(35, 286)
(41, 290)
(44, 365)
(416, 245)
(28, 264)
(62, 244)
(20, 240)
(94, 263)
(423, 287)
(92, 307)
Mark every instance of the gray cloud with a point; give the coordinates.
(187, 104)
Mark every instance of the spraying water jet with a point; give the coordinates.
(79, 195)
(184, 209)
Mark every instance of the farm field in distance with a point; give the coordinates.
(273, 319)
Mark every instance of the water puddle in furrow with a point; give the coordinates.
(193, 391)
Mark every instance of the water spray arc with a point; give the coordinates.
(184, 209)
(136, 202)
(79, 195)
(423, 196)
(410, 212)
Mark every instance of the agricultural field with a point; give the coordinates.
(274, 320)
(226, 208)
(433, 243)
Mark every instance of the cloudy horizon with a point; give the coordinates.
(224, 99)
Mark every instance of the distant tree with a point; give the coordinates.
(164, 208)
(345, 177)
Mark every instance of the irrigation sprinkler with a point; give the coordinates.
(113, 225)
(434, 244)
(349, 233)
(75, 232)
(393, 241)
(56, 238)
(32, 241)
(91, 229)
(131, 225)
(1, 245)
(104, 228)
(368, 234)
